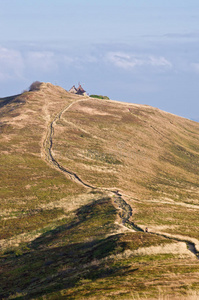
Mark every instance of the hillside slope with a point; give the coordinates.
(81, 178)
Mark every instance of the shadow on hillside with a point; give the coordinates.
(90, 222)
(9, 100)
(49, 271)
(61, 258)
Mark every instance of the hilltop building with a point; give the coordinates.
(78, 91)
(73, 90)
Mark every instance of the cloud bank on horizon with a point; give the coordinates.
(135, 52)
(131, 61)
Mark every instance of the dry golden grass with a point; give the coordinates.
(150, 156)
(147, 154)
(143, 151)
(28, 182)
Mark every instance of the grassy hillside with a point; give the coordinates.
(149, 155)
(81, 179)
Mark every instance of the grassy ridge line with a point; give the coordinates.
(48, 145)
(121, 203)
(161, 179)
(76, 260)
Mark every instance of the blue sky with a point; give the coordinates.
(134, 51)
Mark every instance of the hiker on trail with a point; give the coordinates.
(146, 229)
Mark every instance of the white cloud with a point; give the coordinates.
(11, 64)
(44, 61)
(19, 64)
(16, 64)
(47, 61)
(131, 61)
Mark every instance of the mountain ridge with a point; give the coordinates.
(91, 175)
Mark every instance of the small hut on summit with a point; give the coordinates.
(73, 90)
(78, 91)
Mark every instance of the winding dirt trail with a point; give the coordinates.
(125, 210)
(48, 144)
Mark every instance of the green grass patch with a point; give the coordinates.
(99, 97)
